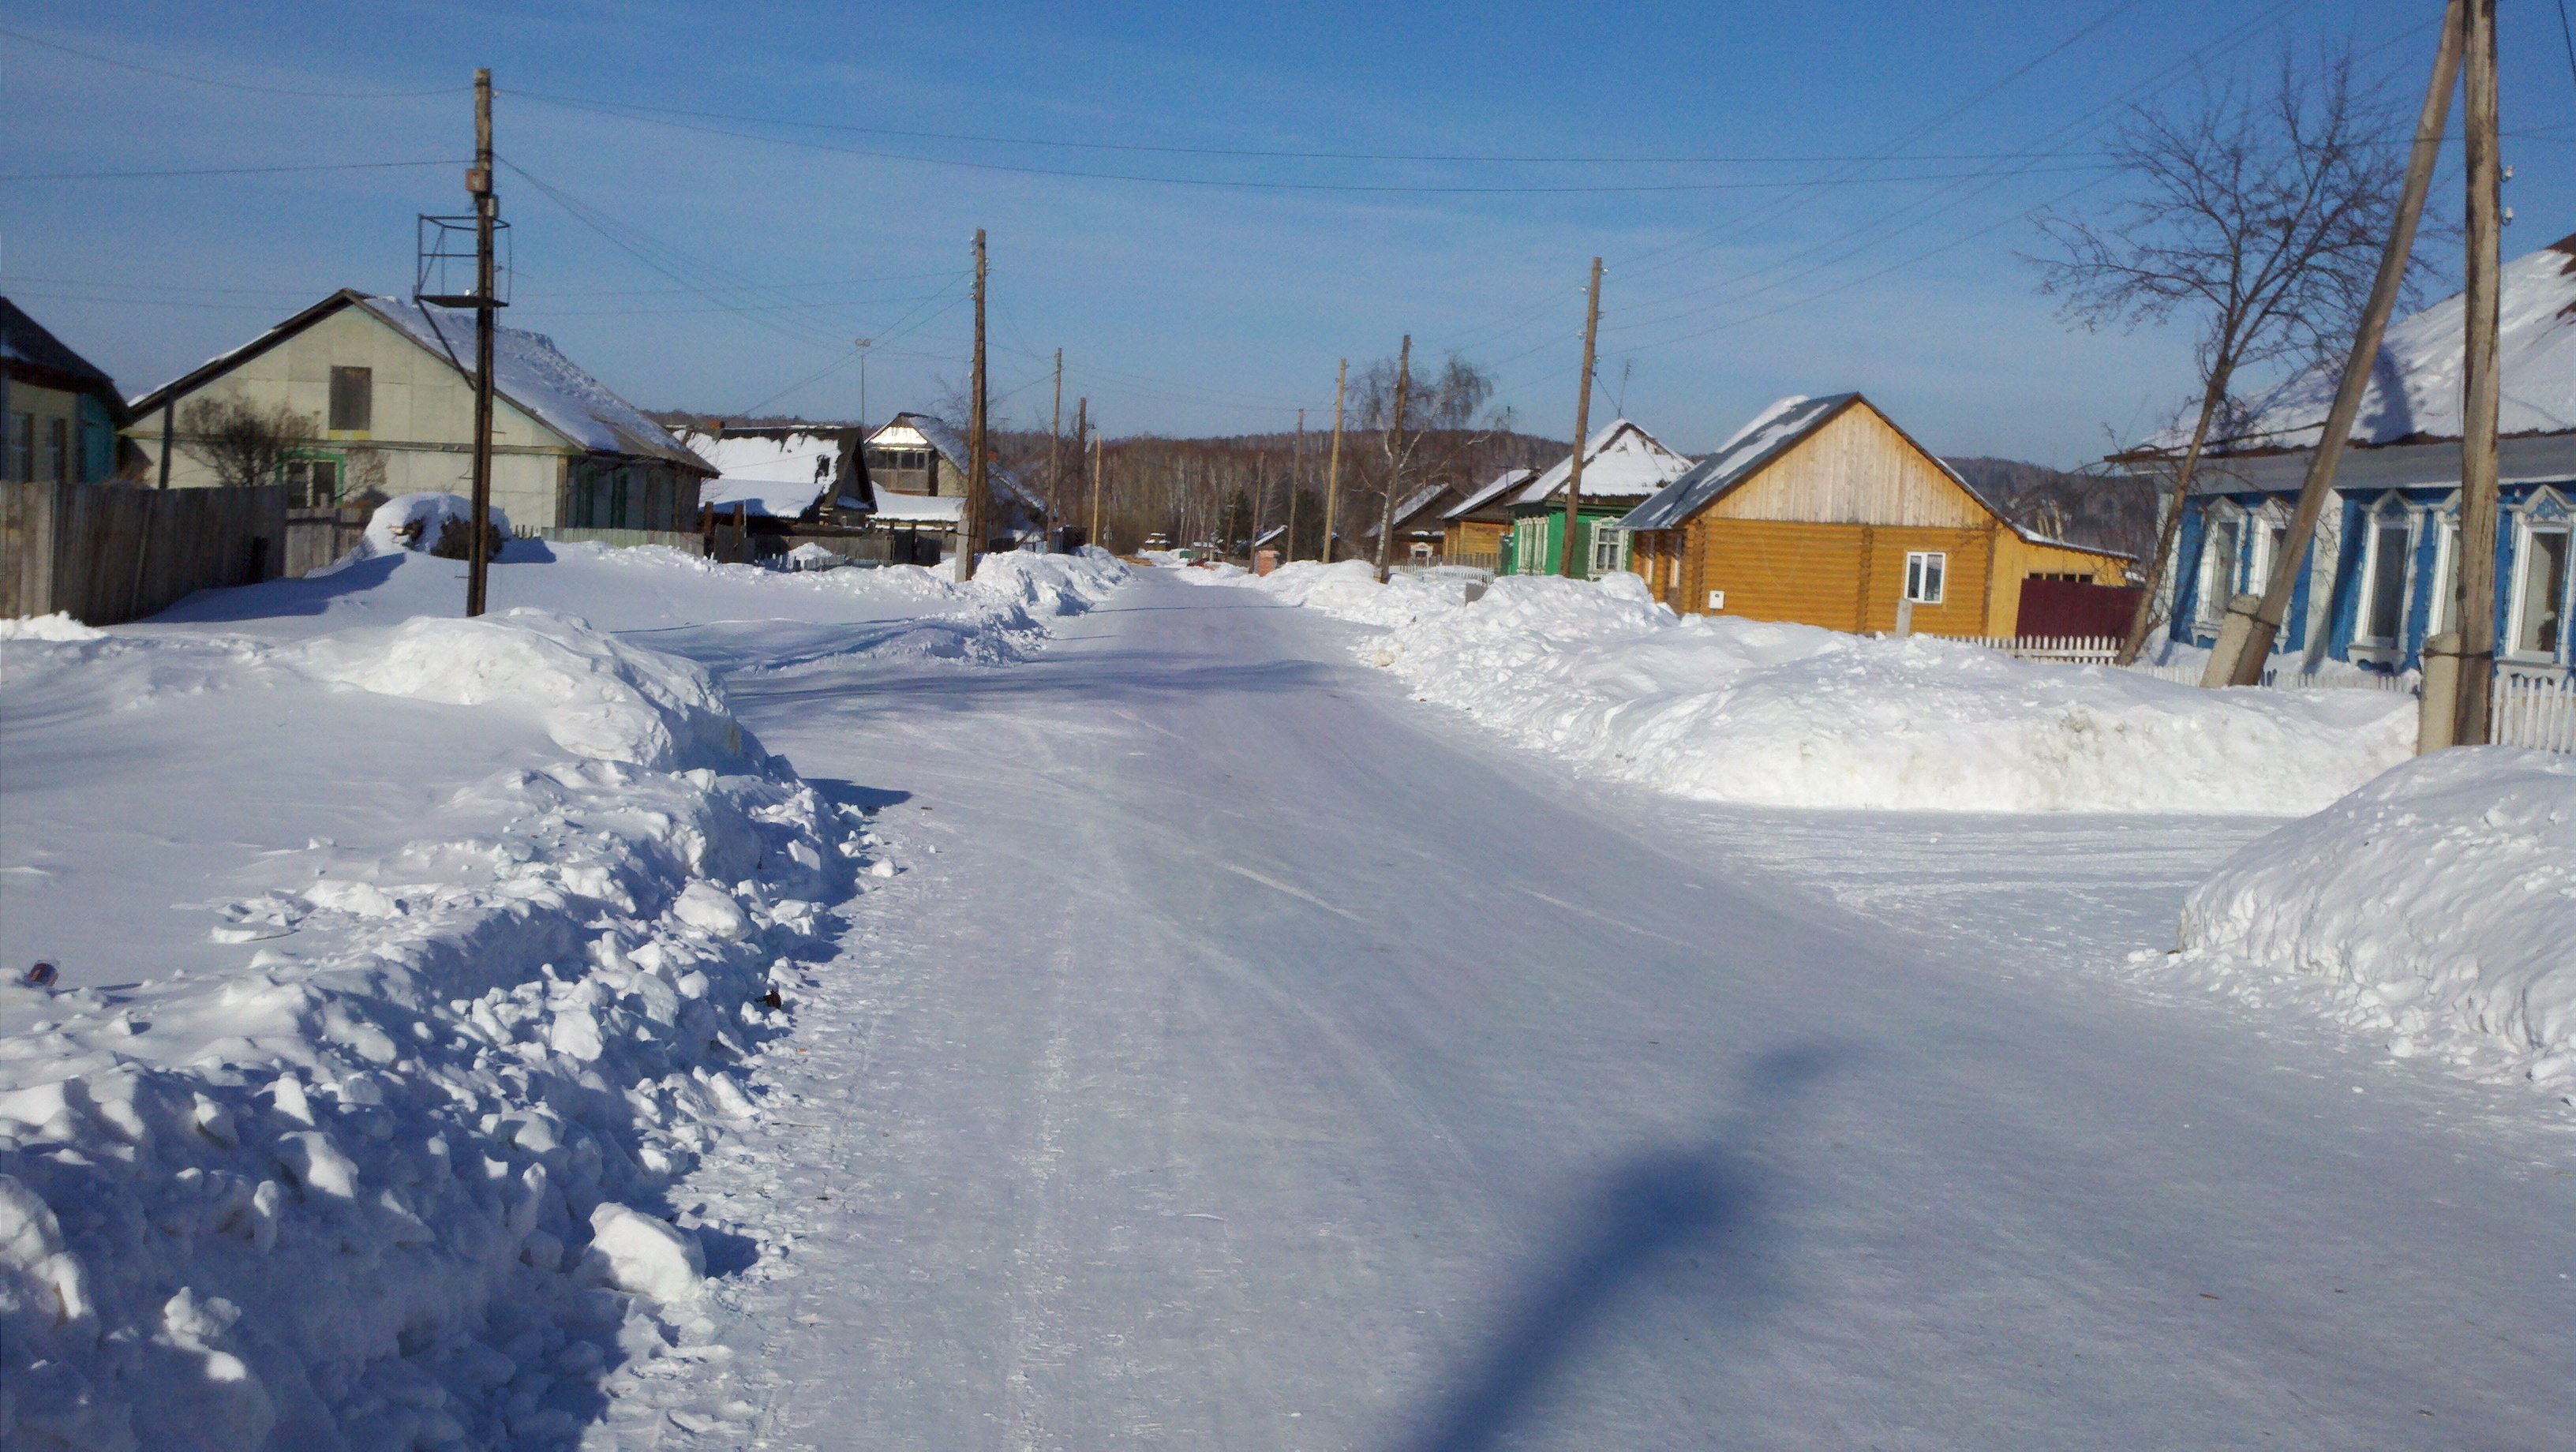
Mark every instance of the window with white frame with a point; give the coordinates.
(1924, 570)
(2445, 610)
(2218, 552)
(1609, 549)
(2540, 591)
(2384, 603)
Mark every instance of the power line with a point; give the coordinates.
(42, 176)
(21, 35)
(619, 112)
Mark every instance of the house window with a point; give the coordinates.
(1923, 572)
(2386, 602)
(312, 483)
(1609, 549)
(2218, 568)
(22, 446)
(2540, 619)
(353, 399)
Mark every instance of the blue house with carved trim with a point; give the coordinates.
(2380, 574)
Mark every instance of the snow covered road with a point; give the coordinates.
(1249, 1056)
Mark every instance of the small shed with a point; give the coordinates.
(1473, 528)
(1824, 512)
(1623, 466)
(789, 474)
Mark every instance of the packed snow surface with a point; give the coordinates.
(407, 965)
(1736, 710)
(2435, 907)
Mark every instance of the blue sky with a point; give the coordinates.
(1181, 308)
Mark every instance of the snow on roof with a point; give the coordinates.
(25, 341)
(1777, 426)
(2414, 391)
(940, 434)
(1412, 504)
(893, 508)
(531, 372)
(1493, 488)
(1773, 432)
(775, 473)
(1623, 461)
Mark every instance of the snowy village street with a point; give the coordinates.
(1247, 1055)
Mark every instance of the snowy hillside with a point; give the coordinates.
(1789, 715)
(404, 964)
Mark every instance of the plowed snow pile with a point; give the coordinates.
(406, 964)
(2434, 909)
(1789, 715)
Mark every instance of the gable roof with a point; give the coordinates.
(943, 436)
(527, 369)
(35, 356)
(1623, 461)
(1777, 429)
(1494, 488)
(1411, 505)
(2414, 390)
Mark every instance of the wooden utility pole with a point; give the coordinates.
(1260, 511)
(1081, 437)
(1394, 459)
(1055, 448)
(478, 185)
(2247, 668)
(1296, 457)
(1333, 470)
(970, 517)
(1096, 452)
(1582, 425)
(2479, 385)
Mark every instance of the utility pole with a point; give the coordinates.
(970, 516)
(1296, 456)
(1394, 460)
(1582, 425)
(2247, 668)
(2479, 385)
(1095, 490)
(1081, 438)
(478, 184)
(1260, 511)
(864, 345)
(1333, 471)
(1055, 447)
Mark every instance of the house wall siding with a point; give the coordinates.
(1857, 469)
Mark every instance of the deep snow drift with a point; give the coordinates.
(406, 964)
(2434, 909)
(1744, 711)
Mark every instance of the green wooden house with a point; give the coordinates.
(1623, 466)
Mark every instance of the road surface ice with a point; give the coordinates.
(1248, 1055)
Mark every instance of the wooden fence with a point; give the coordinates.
(2534, 709)
(108, 553)
(2068, 649)
(318, 537)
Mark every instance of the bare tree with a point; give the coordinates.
(240, 441)
(1439, 429)
(2255, 211)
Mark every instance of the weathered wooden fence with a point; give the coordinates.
(624, 539)
(108, 553)
(317, 537)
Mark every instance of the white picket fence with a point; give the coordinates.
(2066, 649)
(2273, 679)
(2532, 709)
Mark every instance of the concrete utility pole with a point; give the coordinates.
(478, 185)
(1333, 471)
(970, 516)
(2247, 667)
(1055, 447)
(1582, 425)
(1394, 460)
(2479, 385)
(1296, 456)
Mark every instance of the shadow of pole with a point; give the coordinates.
(1702, 1198)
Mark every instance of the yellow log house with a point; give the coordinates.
(1823, 512)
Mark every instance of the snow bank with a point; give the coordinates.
(2435, 907)
(420, 521)
(395, 1176)
(1735, 710)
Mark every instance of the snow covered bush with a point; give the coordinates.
(1727, 709)
(2434, 908)
(436, 524)
(397, 1179)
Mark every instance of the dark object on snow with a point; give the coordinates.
(456, 540)
(41, 976)
(772, 999)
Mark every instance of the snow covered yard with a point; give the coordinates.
(405, 964)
